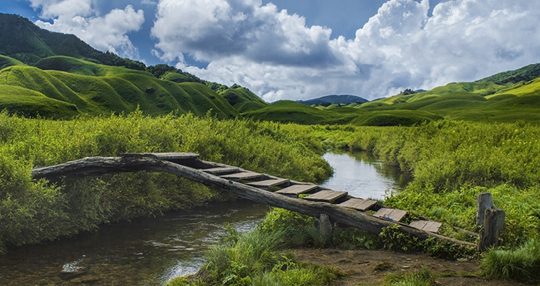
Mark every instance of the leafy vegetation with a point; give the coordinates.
(521, 264)
(33, 211)
(253, 259)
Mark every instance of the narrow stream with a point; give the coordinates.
(151, 251)
(363, 176)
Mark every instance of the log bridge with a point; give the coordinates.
(305, 198)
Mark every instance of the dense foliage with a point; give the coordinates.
(34, 211)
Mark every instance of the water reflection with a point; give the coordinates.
(147, 251)
(363, 175)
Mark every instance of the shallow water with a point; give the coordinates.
(150, 251)
(147, 251)
(363, 176)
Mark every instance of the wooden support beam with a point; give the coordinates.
(221, 170)
(151, 163)
(483, 201)
(491, 230)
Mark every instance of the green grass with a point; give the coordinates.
(82, 67)
(243, 99)
(112, 90)
(30, 103)
(289, 111)
(35, 211)
(6, 61)
(521, 264)
(254, 259)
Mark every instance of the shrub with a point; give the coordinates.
(521, 264)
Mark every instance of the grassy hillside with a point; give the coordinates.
(89, 88)
(6, 61)
(242, 99)
(28, 43)
(504, 97)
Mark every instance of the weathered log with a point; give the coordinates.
(101, 165)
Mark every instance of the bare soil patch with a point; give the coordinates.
(369, 267)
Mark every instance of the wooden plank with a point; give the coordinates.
(328, 196)
(173, 156)
(390, 214)
(296, 190)
(221, 170)
(419, 224)
(426, 225)
(432, 226)
(358, 204)
(242, 176)
(269, 183)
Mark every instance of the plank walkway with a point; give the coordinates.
(311, 192)
(190, 166)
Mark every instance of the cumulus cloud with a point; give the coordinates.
(210, 30)
(80, 17)
(277, 56)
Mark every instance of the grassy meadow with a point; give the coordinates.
(450, 161)
(32, 211)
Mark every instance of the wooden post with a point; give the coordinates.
(483, 201)
(325, 226)
(491, 230)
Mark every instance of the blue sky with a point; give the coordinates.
(300, 49)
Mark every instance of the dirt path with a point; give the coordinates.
(359, 266)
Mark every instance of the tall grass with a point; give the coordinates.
(254, 259)
(521, 264)
(33, 211)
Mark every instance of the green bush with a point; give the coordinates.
(521, 264)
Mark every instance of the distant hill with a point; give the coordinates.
(334, 99)
(59, 76)
(24, 41)
(504, 97)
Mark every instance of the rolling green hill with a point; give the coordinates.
(295, 112)
(59, 76)
(88, 88)
(242, 99)
(22, 40)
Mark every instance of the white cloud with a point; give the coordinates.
(277, 56)
(212, 29)
(80, 17)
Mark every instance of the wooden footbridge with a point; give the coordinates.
(306, 198)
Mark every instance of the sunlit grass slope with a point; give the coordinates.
(82, 67)
(243, 100)
(290, 111)
(504, 97)
(26, 102)
(98, 89)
